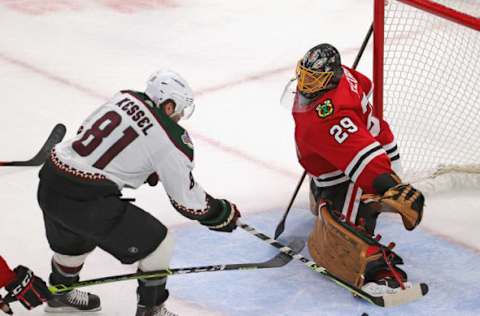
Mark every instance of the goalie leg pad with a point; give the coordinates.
(342, 250)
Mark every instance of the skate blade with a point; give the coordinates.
(68, 309)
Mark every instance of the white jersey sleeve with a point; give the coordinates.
(175, 173)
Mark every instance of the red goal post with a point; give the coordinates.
(426, 72)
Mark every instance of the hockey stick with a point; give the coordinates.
(276, 262)
(56, 136)
(387, 300)
(281, 225)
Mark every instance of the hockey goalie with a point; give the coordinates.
(353, 162)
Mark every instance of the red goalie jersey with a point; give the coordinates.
(339, 139)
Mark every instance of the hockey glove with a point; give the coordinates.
(152, 179)
(407, 201)
(225, 220)
(400, 198)
(27, 288)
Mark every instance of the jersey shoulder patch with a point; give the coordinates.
(177, 134)
(325, 109)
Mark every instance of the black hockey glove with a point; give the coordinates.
(27, 288)
(152, 179)
(226, 218)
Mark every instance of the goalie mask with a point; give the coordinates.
(166, 85)
(319, 70)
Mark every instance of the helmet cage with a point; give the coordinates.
(311, 81)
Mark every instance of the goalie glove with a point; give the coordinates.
(400, 198)
(408, 201)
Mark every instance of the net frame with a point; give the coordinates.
(441, 16)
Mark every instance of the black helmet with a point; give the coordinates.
(319, 70)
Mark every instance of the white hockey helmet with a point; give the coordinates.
(166, 84)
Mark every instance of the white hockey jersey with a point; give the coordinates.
(126, 140)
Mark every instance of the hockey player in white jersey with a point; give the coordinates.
(132, 139)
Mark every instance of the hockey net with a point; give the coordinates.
(427, 86)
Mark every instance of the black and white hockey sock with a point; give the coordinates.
(152, 292)
(64, 275)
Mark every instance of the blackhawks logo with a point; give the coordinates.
(325, 109)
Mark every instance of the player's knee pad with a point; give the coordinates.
(345, 252)
(68, 260)
(159, 259)
(66, 268)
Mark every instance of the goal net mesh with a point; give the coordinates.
(431, 88)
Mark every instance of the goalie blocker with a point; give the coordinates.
(350, 251)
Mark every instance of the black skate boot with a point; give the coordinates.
(74, 300)
(152, 295)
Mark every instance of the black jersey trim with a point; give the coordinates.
(330, 178)
(392, 150)
(361, 159)
(396, 157)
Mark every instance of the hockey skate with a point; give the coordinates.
(74, 301)
(394, 290)
(159, 310)
(385, 286)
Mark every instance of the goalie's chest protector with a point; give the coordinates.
(332, 130)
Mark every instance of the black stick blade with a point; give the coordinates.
(296, 244)
(56, 136)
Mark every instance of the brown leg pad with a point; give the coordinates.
(341, 249)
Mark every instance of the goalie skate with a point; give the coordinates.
(387, 294)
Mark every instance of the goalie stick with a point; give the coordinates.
(277, 261)
(281, 225)
(386, 300)
(56, 136)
